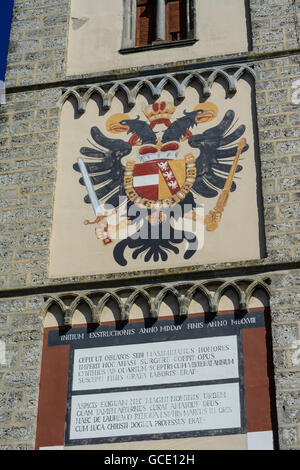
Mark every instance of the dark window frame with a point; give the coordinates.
(129, 30)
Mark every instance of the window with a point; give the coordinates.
(145, 22)
(176, 20)
(157, 24)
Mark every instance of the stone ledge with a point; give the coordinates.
(158, 45)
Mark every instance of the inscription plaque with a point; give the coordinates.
(166, 410)
(156, 363)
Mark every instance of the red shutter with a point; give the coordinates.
(176, 20)
(145, 22)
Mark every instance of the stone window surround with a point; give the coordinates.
(129, 28)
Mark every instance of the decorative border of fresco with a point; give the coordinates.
(177, 83)
(156, 84)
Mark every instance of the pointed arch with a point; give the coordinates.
(75, 306)
(196, 289)
(141, 299)
(112, 93)
(147, 84)
(163, 294)
(254, 286)
(173, 81)
(222, 289)
(53, 300)
(53, 312)
(71, 92)
(94, 90)
(111, 296)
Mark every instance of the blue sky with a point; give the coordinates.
(6, 7)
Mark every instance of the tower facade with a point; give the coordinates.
(150, 225)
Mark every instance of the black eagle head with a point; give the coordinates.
(129, 125)
(141, 131)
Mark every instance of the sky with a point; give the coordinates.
(6, 7)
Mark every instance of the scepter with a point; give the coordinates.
(211, 220)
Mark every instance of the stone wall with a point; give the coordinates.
(21, 330)
(29, 131)
(38, 42)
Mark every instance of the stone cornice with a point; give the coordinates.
(183, 292)
(156, 83)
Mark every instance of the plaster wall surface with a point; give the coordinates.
(221, 28)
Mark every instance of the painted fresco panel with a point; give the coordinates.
(164, 184)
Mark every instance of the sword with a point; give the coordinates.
(98, 210)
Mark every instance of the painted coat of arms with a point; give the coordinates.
(152, 181)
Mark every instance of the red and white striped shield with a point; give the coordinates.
(158, 179)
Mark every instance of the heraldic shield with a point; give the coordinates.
(161, 181)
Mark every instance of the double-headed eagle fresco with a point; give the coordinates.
(160, 176)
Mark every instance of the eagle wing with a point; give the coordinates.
(217, 148)
(104, 165)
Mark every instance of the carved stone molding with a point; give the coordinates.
(156, 84)
(183, 292)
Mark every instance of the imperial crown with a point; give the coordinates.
(159, 113)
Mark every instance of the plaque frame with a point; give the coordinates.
(206, 332)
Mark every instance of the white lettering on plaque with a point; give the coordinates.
(191, 360)
(168, 410)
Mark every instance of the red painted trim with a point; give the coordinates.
(257, 385)
(52, 394)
